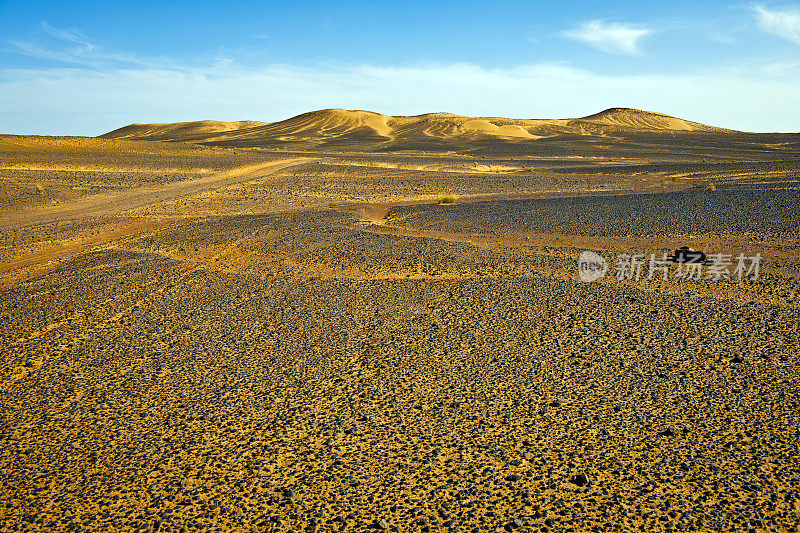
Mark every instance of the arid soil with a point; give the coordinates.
(249, 339)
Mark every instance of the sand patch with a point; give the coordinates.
(508, 130)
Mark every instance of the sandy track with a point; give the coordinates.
(121, 201)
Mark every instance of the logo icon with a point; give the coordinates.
(591, 266)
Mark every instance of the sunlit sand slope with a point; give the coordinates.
(345, 129)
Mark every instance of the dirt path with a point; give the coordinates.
(118, 202)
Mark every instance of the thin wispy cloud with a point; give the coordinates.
(721, 37)
(71, 46)
(781, 68)
(73, 36)
(784, 23)
(610, 37)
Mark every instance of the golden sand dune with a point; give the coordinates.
(352, 128)
(318, 125)
(643, 120)
(179, 131)
(485, 126)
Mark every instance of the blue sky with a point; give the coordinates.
(84, 68)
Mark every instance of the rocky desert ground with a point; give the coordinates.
(347, 321)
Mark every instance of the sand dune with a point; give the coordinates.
(179, 131)
(357, 129)
(644, 120)
(508, 130)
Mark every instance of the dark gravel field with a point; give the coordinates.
(724, 210)
(307, 342)
(141, 393)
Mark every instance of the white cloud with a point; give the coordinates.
(72, 47)
(91, 101)
(73, 36)
(721, 37)
(610, 37)
(783, 23)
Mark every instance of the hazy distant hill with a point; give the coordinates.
(340, 129)
(179, 131)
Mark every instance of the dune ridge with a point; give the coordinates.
(342, 128)
(179, 131)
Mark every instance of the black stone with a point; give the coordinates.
(579, 480)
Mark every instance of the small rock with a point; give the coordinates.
(579, 480)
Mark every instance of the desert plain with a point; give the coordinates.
(347, 321)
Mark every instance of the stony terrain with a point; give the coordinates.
(50, 171)
(322, 346)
